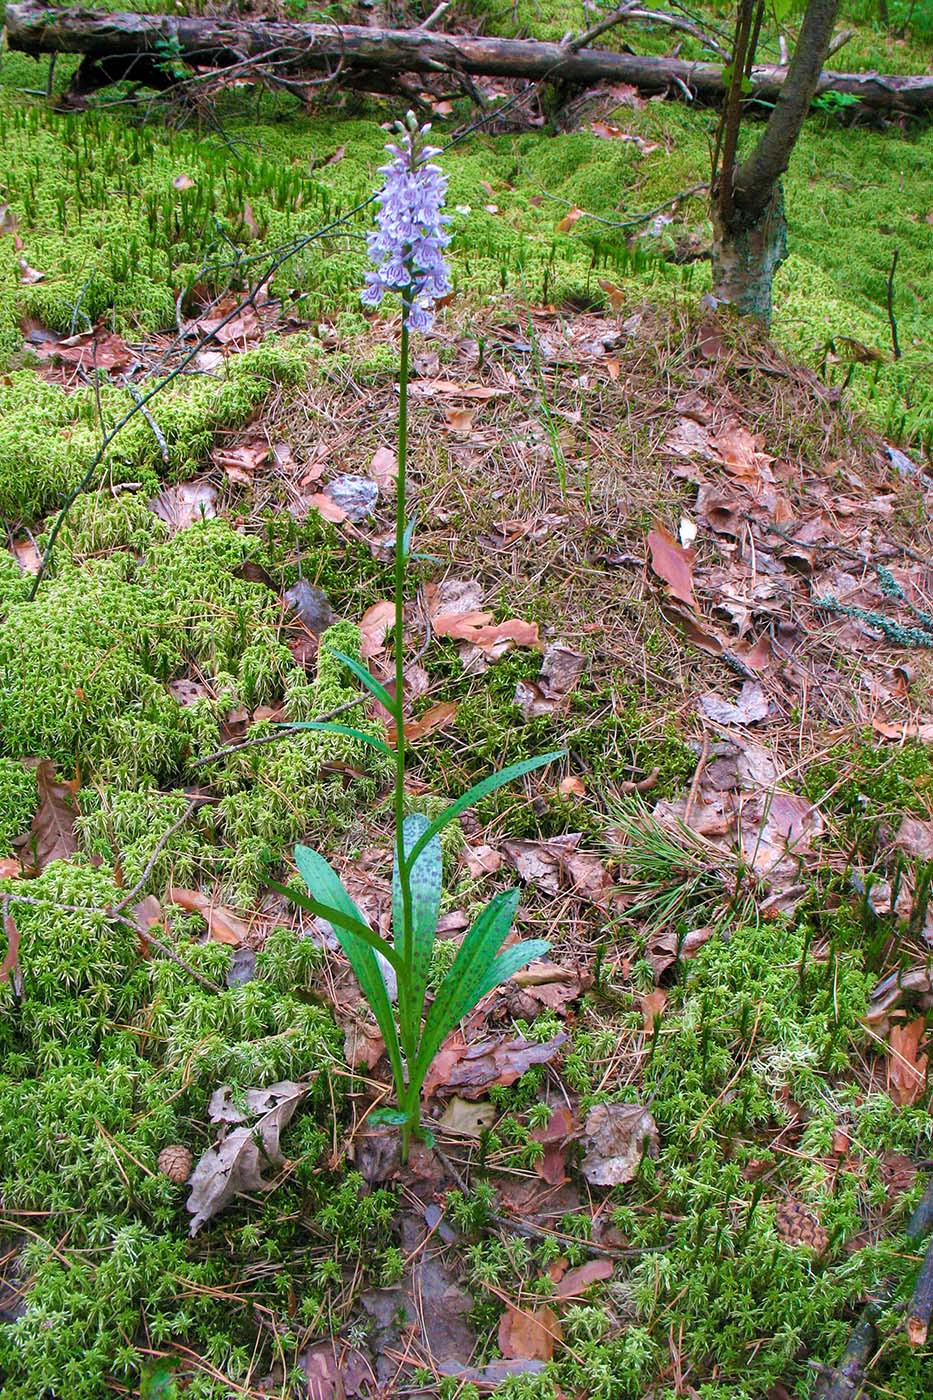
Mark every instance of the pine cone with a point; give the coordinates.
(175, 1163)
(796, 1224)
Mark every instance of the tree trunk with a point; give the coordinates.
(749, 228)
(360, 51)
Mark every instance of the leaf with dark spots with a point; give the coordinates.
(52, 834)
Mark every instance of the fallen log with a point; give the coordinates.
(225, 42)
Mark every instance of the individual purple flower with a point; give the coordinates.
(407, 245)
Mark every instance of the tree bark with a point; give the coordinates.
(749, 228)
(222, 43)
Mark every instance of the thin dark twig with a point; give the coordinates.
(111, 916)
(282, 732)
(891, 317)
(159, 847)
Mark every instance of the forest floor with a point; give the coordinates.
(677, 1157)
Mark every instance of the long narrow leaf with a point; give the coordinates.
(458, 992)
(326, 727)
(372, 685)
(425, 886)
(341, 911)
(342, 922)
(475, 794)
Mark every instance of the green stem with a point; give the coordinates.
(405, 981)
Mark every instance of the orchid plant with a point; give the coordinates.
(407, 250)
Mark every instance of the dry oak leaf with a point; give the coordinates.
(570, 218)
(916, 838)
(530, 1334)
(327, 508)
(240, 463)
(617, 1136)
(470, 1070)
(52, 834)
(556, 864)
(235, 1164)
(561, 668)
(439, 716)
(674, 564)
(223, 925)
(907, 1064)
(384, 468)
(741, 455)
(576, 1281)
(467, 1119)
(185, 504)
(551, 985)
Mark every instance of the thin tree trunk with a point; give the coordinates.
(749, 228)
(361, 51)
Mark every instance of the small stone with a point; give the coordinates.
(175, 1162)
(797, 1225)
(356, 495)
(312, 606)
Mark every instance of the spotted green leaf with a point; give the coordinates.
(475, 971)
(348, 927)
(425, 884)
(476, 793)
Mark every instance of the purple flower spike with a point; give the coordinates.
(407, 245)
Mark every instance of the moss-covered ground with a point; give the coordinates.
(147, 649)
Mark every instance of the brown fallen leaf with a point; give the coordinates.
(555, 864)
(236, 1163)
(10, 964)
(740, 453)
(223, 925)
(482, 860)
(561, 669)
(439, 716)
(617, 1136)
(425, 388)
(652, 1006)
(384, 468)
(10, 869)
(27, 556)
(664, 949)
(472, 1069)
(570, 218)
(907, 1064)
(550, 985)
(576, 1281)
(186, 504)
(52, 834)
(96, 349)
(748, 707)
(556, 1137)
(530, 1334)
(459, 420)
(328, 508)
(489, 638)
(916, 838)
(335, 1371)
(242, 462)
(674, 564)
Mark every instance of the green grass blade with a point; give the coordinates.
(475, 794)
(372, 685)
(325, 727)
(425, 884)
(458, 992)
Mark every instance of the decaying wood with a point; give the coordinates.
(225, 42)
(846, 1381)
(921, 1302)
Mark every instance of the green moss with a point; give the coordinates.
(879, 785)
(17, 802)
